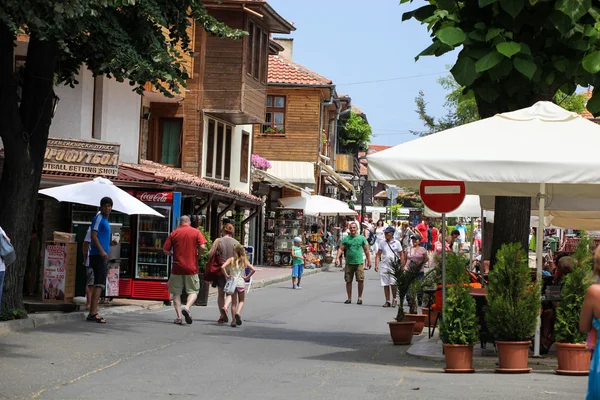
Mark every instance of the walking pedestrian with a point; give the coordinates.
(298, 262)
(89, 272)
(184, 244)
(99, 247)
(406, 234)
(224, 245)
(390, 250)
(422, 231)
(2, 267)
(462, 238)
(416, 254)
(240, 270)
(355, 246)
(379, 235)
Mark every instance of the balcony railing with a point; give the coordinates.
(344, 163)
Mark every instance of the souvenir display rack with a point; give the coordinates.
(288, 225)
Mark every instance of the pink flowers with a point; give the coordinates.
(259, 162)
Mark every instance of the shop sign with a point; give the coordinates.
(155, 197)
(55, 270)
(82, 157)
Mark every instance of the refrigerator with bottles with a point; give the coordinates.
(151, 267)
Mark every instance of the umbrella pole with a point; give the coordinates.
(443, 260)
(539, 247)
(472, 243)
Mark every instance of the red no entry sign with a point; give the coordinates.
(442, 196)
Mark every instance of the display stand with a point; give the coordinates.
(269, 242)
(60, 264)
(288, 225)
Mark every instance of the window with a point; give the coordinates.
(220, 137)
(275, 117)
(245, 157)
(227, 173)
(210, 145)
(256, 52)
(170, 132)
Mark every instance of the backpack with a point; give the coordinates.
(7, 251)
(371, 239)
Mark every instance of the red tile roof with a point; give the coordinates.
(174, 175)
(372, 149)
(375, 148)
(284, 71)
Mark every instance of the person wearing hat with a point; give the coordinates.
(389, 251)
(297, 262)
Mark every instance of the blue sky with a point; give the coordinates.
(353, 41)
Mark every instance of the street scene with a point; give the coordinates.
(270, 198)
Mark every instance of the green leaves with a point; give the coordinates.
(464, 71)
(593, 104)
(492, 33)
(483, 3)
(451, 36)
(574, 9)
(512, 7)
(508, 49)
(524, 66)
(591, 62)
(490, 60)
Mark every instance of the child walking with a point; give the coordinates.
(238, 268)
(298, 263)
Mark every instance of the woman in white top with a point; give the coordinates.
(236, 268)
(379, 235)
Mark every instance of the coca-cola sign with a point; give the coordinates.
(155, 197)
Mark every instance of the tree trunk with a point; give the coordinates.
(24, 134)
(511, 223)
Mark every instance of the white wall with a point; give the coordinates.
(236, 158)
(74, 113)
(117, 116)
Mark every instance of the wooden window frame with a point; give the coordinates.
(209, 169)
(257, 51)
(227, 153)
(158, 154)
(219, 150)
(218, 157)
(280, 131)
(245, 158)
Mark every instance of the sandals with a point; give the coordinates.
(188, 316)
(224, 316)
(238, 320)
(394, 304)
(387, 304)
(359, 302)
(233, 325)
(348, 301)
(178, 322)
(97, 318)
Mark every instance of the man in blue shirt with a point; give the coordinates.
(100, 245)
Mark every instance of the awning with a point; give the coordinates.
(297, 172)
(280, 182)
(337, 176)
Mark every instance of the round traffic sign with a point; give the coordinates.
(442, 196)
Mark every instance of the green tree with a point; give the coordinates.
(355, 135)
(122, 39)
(514, 53)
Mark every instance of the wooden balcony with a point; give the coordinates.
(344, 163)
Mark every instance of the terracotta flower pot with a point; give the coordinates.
(573, 359)
(430, 314)
(459, 358)
(401, 332)
(419, 322)
(513, 357)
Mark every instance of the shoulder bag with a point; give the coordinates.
(7, 251)
(213, 271)
(231, 283)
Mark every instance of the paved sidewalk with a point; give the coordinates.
(431, 349)
(263, 277)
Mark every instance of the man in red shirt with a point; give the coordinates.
(184, 244)
(422, 228)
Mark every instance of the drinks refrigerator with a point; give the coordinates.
(151, 267)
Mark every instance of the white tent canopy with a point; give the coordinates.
(317, 205)
(470, 208)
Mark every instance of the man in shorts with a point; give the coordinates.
(184, 244)
(89, 272)
(354, 246)
(100, 245)
(390, 250)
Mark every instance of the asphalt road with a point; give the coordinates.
(293, 344)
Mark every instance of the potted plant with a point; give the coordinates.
(432, 279)
(571, 351)
(415, 288)
(513, 306)
(459, 327)
(401, 329)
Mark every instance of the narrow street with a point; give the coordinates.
(302, 344)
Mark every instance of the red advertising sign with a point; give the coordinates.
(442, 196)
(155, 197)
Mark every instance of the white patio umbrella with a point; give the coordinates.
(317, 205)
(529, 152)
(91, 192)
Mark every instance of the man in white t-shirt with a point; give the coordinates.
(89, 272)
(2, 267)
(389, 249)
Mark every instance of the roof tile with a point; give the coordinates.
(284, 71)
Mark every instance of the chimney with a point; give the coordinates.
(288, 47)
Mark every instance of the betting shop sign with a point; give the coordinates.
(87, 157)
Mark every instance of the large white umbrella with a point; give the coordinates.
(91, 192)
(532, 152)
(317, 205)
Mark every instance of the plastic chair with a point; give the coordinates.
(248, 281)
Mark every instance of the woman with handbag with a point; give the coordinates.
(224, 247)
(234, 270)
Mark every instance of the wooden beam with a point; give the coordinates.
(244, 222)
(222, 213)
(259, 15)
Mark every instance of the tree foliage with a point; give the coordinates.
(513, 301)
(356, 135)
(460, 324)
(516, 52)
(576, 283)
